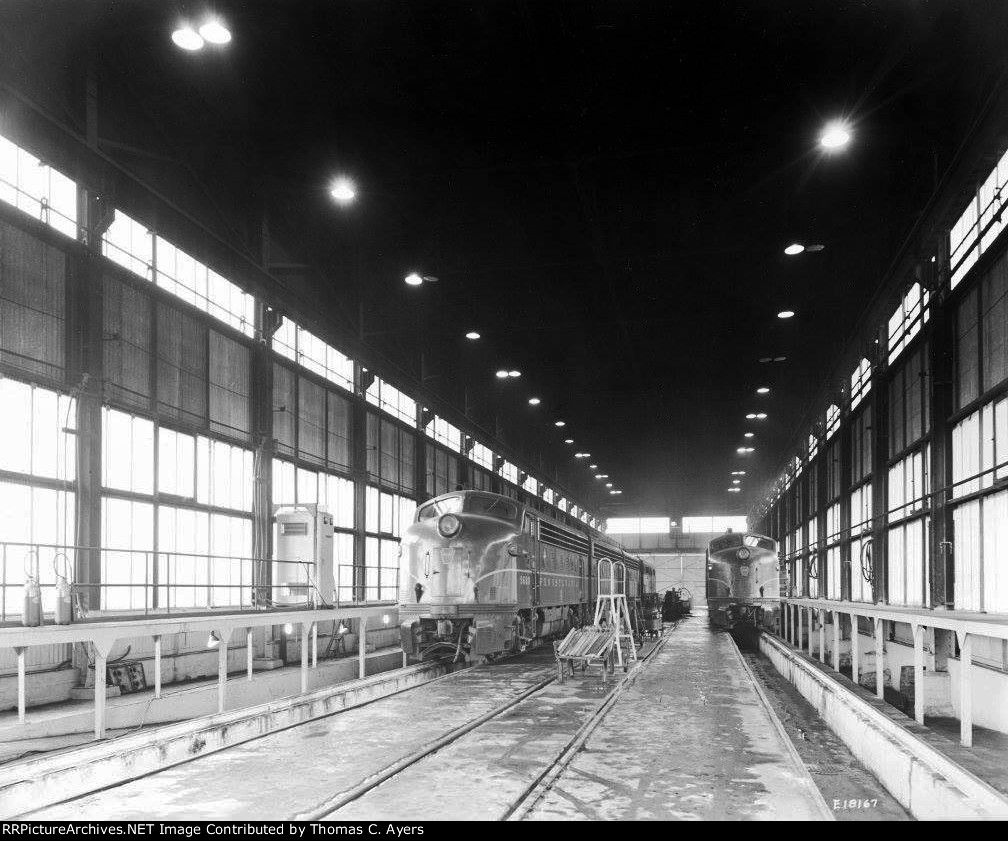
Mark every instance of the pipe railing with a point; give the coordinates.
(801, 613)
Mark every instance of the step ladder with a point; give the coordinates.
(604, 642)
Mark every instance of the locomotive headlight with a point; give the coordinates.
(449, 525)
(742, 554)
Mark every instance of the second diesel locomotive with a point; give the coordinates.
(744, 582)
(484, 575)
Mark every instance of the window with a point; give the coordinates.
(483, 456)
(386, 516)
(187, 278)
(834, 581)
(390, 453)
(980, 223)
(440, 430)
(392, 401)
(908, 403)
(127, 452)
(832, 420)
(906, 321)
(442, 471)
(129, 244)
(861, 524)
(127, 554)
(307, 350)
(907, 562)
(33, 440)
(707, 524)
(562, 504)
(908, 485)
(980, 449)
(548, 495)
(297, 486)
(37, 189)
(813, 446)
(860, 382)
(981, 533)
(530, 485)
(509, 472)
(861, 447)
(638, 525)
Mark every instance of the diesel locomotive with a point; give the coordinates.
(744, 582)
(483, 575)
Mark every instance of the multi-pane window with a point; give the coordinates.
(860, 383)
(440, 430)
(483, 456)
(442, 471)
(813, 446)
(562, 504)
(183, 540)
(530, 485)
(130, 244)
(834, 581)
(907, 320)
(391, 401)
(297, 344)
(982, 336)
(832, 420)
(509, 472)
(36, 507)
(981, 533)
(390, 453)
(37, 189)
(831, 460)
(907, 538)
(980, 223)
(861, 446)
(860, 530)
(386, 516)
(548, 495)
(908, 402)
(980, 449)
(293, 485)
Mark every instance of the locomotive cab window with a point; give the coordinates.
(493, 506)
(449, 505)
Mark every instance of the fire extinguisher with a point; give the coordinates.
(31, 615)
(64, 609)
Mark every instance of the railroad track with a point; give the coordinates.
(519, 806)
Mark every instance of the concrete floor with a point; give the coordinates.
(690, 738)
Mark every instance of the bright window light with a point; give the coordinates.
(37, 189)
(701, 524)
(637, 525)
(392, 401)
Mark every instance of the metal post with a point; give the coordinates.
(965, 689)
(879, 661)
(249, 653)
(361, 635)
(314, 645)
(787, 622)
(22, 698)
(811, 622)
(222, 670)
(801, 627)
(836, 641)
(822, 637)
(157, 665)
(304, 657)
(99, 694)
(918, 636)
(855, 648)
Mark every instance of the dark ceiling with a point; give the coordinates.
(604, 189)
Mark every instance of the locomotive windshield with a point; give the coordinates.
(448, 505)
(493, 506)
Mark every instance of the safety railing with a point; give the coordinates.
(799, 614)
(152, 582)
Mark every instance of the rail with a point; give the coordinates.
(799, 613)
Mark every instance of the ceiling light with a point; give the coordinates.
(413, 279)
(734, 490)
(473, 335)
(187, 38)
(534, 401)
(761, 416)
(559, 423)
(835, 135)
(568, 440)
(736, 481)
(214, 32)
(779, 358)
(794, 248)
(608, 484)
(600, 475)
(763, 390)
(751, 416)
(744, 450)
(502, 375)
(343, 191)
(748, 435)
(786, 314)
(592, 466)
(514, 374)
(615, 493)
(581, 455)
(738, 473)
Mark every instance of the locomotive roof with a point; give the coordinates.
(581, 528)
